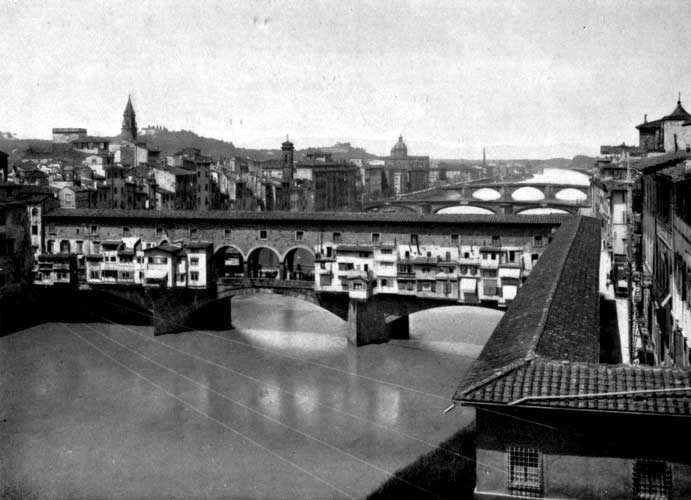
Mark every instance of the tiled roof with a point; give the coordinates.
(590, 386)
(227, 215)
(355, 248)
(555, 315)
(652, 164)
(198, 245)
(164, 247)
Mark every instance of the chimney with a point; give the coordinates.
(645, 118)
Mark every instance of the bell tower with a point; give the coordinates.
(129, 122)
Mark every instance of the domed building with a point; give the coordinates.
(403, 173)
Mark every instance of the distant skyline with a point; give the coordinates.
(548, 77)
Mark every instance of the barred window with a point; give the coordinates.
(652, 480)
(525, 471)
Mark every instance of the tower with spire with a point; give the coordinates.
(129, 122)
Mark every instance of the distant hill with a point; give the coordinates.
(171, 141)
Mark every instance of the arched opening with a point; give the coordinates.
(527, 193)
(228, 262)
(542, 211)
(464, 209)
(299, 264)
(486, 194)
(461, 329)
(571, 194)
(264, 262)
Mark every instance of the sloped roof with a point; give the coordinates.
(590, 386)
(679, 113)
(556, 314)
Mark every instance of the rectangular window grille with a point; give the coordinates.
(159, 231)
(455, 239)
(525, 471)
(375, 237)
(337, 237)
(226, 233)
(298, 235)
(652, 480)
(263, 234)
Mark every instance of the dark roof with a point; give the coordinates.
(652, 164)
(590, 386)
(650, 124)
(545, 321)
(679, 113)
(227, 215)
(164, 247)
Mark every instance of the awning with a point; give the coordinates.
(509, 291)
(468, 285)
(156, 274)
(509, 272)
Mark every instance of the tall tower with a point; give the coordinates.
(129, 122)
(287, 160)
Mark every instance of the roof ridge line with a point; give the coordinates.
(553, 288)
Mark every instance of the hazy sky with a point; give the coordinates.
(451, 76)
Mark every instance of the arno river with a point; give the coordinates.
(279, 407)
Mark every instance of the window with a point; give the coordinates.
(322, 265)
(455, 239)
(298, 235)
(384, 283)
(96, 247)
(194, 261)
(93, 230)
(337, 237)
(125, 231)
(447, 256)
(466, 255)
(226, 234)
(193, 232)
(80, 247)
(496, 241)
(140, 260)
(386, 251)
(357, 285)
(652, 479)
(34, 212)
(414, 239)
(34, 229)
(375, 237)
(51, 229)
(94, 275)
(263, 234)
(525, 471)
(194, 276)
(537, 241)
(159, 231)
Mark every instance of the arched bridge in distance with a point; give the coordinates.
(431, 261)
(490, 197)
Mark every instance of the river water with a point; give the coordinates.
(279, 407)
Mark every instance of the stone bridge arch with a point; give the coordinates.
(551, 208)
(467, 209)
(573, 193)
(487, 193)
(527, 193)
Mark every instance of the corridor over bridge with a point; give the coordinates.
(372, 270)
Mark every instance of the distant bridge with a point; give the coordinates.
(496, 197)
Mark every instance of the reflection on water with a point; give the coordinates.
(292, 388)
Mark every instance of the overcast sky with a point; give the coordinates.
(450, 76)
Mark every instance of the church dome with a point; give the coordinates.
(399, 150)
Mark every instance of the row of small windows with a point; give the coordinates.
(455, 239)
(652, 479)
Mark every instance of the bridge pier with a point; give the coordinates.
(366, 323)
